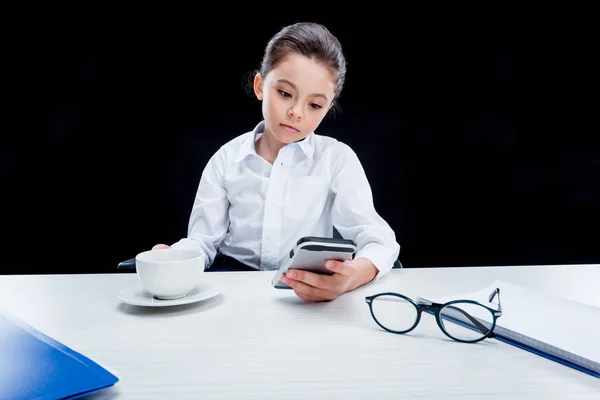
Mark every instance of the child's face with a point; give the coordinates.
(296, 97)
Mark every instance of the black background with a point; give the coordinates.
(478, 136)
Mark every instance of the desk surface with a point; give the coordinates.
(253, 341)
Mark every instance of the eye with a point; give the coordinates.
(284, 94)
(316, 106)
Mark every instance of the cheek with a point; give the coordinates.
(272, 107)
(315, 118)
(265, 108)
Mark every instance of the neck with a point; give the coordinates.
(268, 147)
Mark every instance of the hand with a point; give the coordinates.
(348, 275)
(161, 246)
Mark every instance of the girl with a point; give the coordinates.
(265, 189)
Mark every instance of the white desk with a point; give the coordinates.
(253, 341)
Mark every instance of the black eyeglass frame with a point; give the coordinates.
(423, 305)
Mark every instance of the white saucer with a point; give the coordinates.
(137, 296)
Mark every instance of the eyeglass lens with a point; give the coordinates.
(466, 321)
(394, 312)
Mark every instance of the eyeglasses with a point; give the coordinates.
(467, 321)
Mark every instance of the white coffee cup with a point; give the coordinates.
(170, 273)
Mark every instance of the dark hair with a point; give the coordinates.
(311, 40)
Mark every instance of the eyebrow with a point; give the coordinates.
(294, 86)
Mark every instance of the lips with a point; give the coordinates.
(289, 128)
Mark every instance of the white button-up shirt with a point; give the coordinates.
(255, 212)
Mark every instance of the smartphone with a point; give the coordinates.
(310, 254)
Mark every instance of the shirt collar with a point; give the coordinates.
(247, 146)
(307, 145)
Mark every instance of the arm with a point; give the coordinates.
(209, 219)
(355, 217)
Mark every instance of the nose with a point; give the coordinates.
(295, 112)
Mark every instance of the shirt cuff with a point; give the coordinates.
(379, 256)
(187, 243)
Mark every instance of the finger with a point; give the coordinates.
(306, 291)
(334, 284)
(160, 246)
(310, 299)
(345, 268)
(310, 278)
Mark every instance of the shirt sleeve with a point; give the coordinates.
(354, 214)
(209, 218)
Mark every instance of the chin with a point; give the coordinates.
(289, 137)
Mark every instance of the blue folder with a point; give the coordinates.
(35, 366)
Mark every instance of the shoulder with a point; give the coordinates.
(338, 151)
(227, 154)
(233, 145)
(230, 150)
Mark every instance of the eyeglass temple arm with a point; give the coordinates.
(475, 322)
(495, 293)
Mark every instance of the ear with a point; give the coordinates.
(258, 86)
